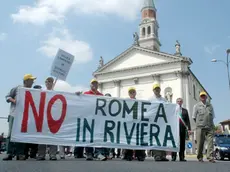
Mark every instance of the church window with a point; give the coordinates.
(149, 30)
(143, 31)
(194, 92)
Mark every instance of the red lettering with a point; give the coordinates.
(37, 117)
(54, 125)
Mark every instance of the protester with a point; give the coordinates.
(78, 152)
(157, 98)
(28, 81)
(1, 140)
(184, 129)
(203, 115)
(37, 87)
(89, 150)
(110, 153)
(32, 149)
(139, 154)
(52, 148)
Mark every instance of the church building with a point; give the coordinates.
(143, 64)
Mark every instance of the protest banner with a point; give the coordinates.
(58, 118)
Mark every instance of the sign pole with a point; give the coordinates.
(55, 83)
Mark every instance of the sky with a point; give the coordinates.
(31, 31)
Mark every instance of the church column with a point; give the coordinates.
(179, 75)
(153, 31)
(117, 88)
(183, 76)
(186, 80)
(185, 95)
(100, 87)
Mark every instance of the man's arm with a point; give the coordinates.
(10, 97)
(194, 114)
(213, 113)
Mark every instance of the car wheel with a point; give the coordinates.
(218, 156)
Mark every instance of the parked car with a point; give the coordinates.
(222, 146)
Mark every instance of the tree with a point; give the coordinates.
(217, 129)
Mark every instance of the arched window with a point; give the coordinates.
(143, 31)
(194, 92)
(149, 30)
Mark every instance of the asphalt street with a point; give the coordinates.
(115, 165)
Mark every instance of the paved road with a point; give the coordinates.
(116, 165)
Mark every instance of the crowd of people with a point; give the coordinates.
(203, 115)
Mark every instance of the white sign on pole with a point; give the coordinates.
(62, 64)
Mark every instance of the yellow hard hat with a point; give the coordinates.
(202, 93)
(131, 89)
(156, 86)
(28, 76)
(93, 80)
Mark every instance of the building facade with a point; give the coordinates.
(225, 126)
(143, 64)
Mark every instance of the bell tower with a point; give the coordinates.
(149, 27)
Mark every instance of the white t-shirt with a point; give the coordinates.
(157, 99)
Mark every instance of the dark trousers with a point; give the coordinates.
(31, 150)
(182, 146)
(140, 153)
(78, 152)
(11, 147)
(128, 153)
(89, 150)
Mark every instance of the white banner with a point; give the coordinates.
(57, 118)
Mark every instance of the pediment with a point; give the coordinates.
(136, 57)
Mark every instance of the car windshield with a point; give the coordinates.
(223, 140)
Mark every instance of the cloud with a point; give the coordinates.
(211, 49)
(65, 86)
(44, 11)
(61, 38)
(37, 16)
(3, 36)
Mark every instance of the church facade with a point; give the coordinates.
(143, 64)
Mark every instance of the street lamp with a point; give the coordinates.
(226, 63)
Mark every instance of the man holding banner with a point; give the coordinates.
(89, 150)
(28, 81)
(185, 130)
(158, 155)
(42, 148)
(140, 154)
